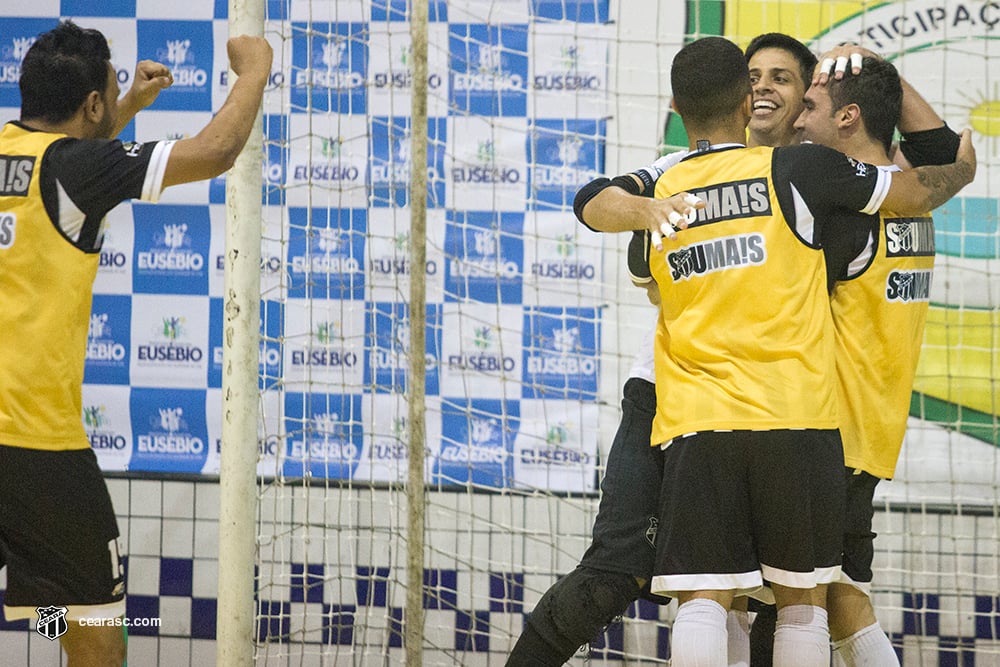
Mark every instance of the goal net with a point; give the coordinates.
(531, 323)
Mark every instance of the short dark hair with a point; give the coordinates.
(779, 40)
(60, 69)
(877, 91)
(710, 80)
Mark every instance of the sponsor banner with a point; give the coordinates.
(324, 348)
(564, 156)
(109, 340)
(556, 446)
(584, 11)
(310, 10)
(329, 66)
(489, 68)
(171, 249)
(108, 424)
(390, 68)
(477, 439)
(169, 341)
(268, 443)
(390, 166)
(487, 169)
(389, 251)
(187, 48)
(327, 160)
(269, 355)
(562, 264)
(114, 271)
(561, 353)
(569, 70)
(18, 34)
(326, 253)
(169, 430)
(499, 11)
(324, 435)
(485, 256)
(386, 452)
(480, 356)
(387, 358)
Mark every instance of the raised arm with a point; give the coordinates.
(150, 78)
(927, 139)
(214, 150)
(925, 188)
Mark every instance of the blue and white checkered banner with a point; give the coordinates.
(516, 125)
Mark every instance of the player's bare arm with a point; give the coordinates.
(925, 188)
(150, 78)
(614, 210)
(213, 151)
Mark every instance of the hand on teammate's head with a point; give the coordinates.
(834, 62)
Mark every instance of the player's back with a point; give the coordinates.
(746, 335)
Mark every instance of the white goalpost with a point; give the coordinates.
(415, 425)
(240, 413)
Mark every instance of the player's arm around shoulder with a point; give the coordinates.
(213, 151)
(923, 189)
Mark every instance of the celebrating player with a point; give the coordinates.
(58, 533)
(746, 398)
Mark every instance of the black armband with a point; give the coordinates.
(937, 146)
(627, 183)
(585, 194)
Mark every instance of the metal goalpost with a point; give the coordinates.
(241, 332)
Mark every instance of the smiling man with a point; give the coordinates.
(781, 68)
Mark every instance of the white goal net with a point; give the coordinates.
(531, 323)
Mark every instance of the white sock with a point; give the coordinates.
(699, 635)
(738, 634)
(802, 637)
(868, 647)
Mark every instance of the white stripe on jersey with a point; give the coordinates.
(152, 186)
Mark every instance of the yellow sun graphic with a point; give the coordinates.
(984, 115)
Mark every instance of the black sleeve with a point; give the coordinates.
(827, 182)
(585, 194)
(637, 257)
(937, 146)
(843, 242)
(97, 175)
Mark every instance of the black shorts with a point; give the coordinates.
(626, 523)
(859, 540)
(58, 535)
(741, 507)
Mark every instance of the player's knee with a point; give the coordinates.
(586, 600)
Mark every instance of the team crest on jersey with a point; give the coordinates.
(909, 237)
(860, 168)
(907, 286)
(51, 622)
(721, 254)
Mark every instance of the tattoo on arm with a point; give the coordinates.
(944, 181)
